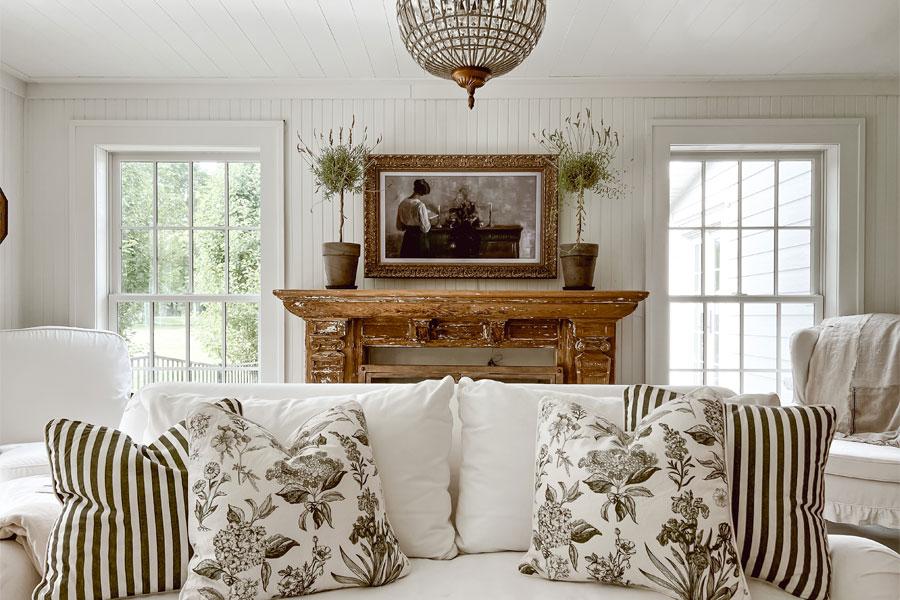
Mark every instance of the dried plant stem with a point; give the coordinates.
(342, 218)
(580, 216)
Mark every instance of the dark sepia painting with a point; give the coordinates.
(460, 216)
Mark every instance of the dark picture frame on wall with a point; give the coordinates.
(461, 216)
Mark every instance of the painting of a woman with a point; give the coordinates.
(414, 219)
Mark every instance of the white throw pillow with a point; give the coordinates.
(410, 428)
(496, 475)
(278, 520)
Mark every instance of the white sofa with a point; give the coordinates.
(860, 565)
(862, 481)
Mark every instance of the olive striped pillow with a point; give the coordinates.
(640, 400)
(776, 465)
(123, 526)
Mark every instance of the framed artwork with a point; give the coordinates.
(472, 216)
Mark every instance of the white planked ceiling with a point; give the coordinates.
(51, 40)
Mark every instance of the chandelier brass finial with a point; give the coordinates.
(470, 41)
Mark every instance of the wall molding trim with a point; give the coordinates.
(13, 84)
(507, 87)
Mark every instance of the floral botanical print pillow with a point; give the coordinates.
(274, 521)
(644, 509)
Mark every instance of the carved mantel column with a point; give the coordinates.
(328, 347)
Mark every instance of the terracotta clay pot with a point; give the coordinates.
(340, 259)
(578, 261)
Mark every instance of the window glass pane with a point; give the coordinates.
(209, 262)
(757, 193)
(134, 325)
(793, 317)
(136, 259)
(243, 194)
(760, 382)
(209, 194)
(686, 335)
(173, 261)
(169, 335)
(794, 260)
(243, 262)
(206, 335)
(685, 377)
(684, 193)
(758, 261)
(760, 335)
(137, 194)
(721, 193)
(726, 379)
(723, 331)
(794, 192)
(173, 193)
(242, 343)
(721, 261)
(684, 261)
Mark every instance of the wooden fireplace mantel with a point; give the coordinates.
(342, 324)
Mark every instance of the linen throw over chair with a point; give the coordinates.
(853, 364)
(55, 372)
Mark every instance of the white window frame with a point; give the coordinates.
(841, 143)
(93, 142)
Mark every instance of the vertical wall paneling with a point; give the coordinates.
(429, 125)
(12, 176)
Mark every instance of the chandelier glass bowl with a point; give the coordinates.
(470, 41)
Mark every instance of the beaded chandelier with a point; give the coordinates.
(470, 41)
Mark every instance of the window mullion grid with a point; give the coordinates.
(775, 251)
(154, 271)
(187, 305)
(740, 273)
(703, 322)
(227, 269)
(778, 348)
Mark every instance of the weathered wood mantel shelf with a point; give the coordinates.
(342, 324)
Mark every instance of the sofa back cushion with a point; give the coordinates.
(496, 474)
(410, 427)
(60, 372)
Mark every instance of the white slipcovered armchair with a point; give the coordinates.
(862, 480)
(51, 372)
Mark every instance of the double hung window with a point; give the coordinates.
(744, 265)
(185, 265)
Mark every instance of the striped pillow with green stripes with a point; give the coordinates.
(123, 526)
(776, 469)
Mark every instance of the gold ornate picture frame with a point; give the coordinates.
(461, 216)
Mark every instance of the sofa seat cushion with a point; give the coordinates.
(23, 460)
(864, 461)
(858, 564)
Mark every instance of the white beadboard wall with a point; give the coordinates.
(12, 177)
(436, 125)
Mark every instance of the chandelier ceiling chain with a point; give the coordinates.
(470, 41)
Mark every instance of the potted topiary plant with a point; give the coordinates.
(584, 156)
(338, 169)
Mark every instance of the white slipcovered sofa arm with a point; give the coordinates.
(863, 568)
(18, 577)
(802, 343)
